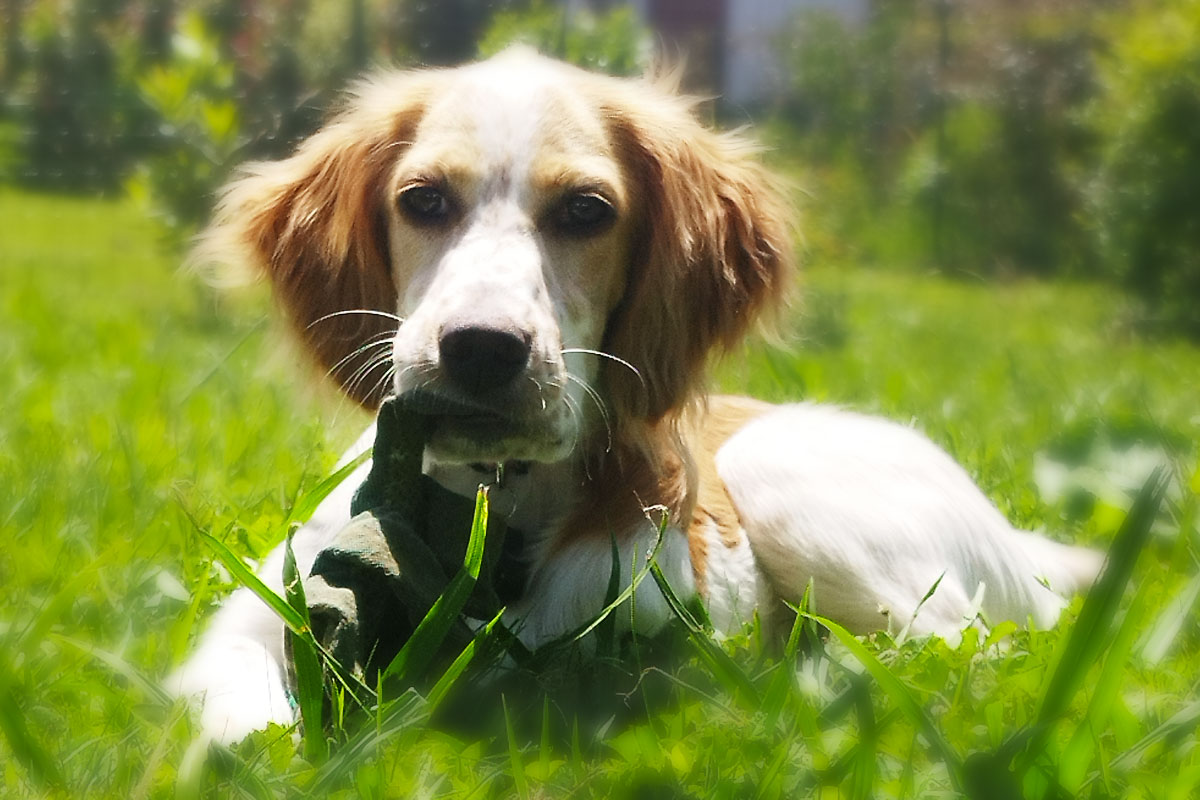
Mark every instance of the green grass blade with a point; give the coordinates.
(606, 632)
(903, 634)
(401, 714)
(547, 651)
(804, 629)
(421, 647)
(1178, 728)
(576, 760)
(119, 666)
(736, 681)
(1163, 635)
(1078, 754)
(246, 577)
(28, 751)
(625, 594)
(53, 611)
(296, 622)
(516, 764)
(460, 663)
(544, 751)
(306, 505)
(310, 683)
(769, 781)
(1091, 632)
(780, 688)
(863, 776)
(900, 695)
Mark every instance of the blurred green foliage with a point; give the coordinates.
(69, 86)
(993, 140)
(164, 97)
(614, 42)
(1147, 188)
(977, 138)
(200, 126)
(960, 119)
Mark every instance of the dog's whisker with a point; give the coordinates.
(576, 416)
(365, 348)
(377, 386)
(372, 312)
(380, 342)
(380, 387)
(359, 376)
(600, 406)
(610, 357)
(367, 365)
(422, 371)
(358, 379)
(541, 391)
(407, 368)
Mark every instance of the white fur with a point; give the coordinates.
(568, 589)
(876, 515)
(734, 583)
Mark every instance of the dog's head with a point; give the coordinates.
(539, 254)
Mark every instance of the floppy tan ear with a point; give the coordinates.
(713, 251)
(314, 225)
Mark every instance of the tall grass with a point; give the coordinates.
(141, 413)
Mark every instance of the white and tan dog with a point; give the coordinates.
(551, 257)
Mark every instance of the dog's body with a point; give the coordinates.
(564, 251)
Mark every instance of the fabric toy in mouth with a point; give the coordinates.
(379, 576)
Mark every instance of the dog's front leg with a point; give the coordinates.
(236, 674)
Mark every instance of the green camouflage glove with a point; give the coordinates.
(374, 583)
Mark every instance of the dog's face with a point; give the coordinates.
(510, 226)
(541, 256)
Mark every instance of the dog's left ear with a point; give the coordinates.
(712, 252)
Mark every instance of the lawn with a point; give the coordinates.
(140, 408)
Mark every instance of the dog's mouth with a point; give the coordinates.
(461, 415)
(442, 406)
(469, 431)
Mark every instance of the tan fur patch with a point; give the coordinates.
(705, 430)
(628, 481)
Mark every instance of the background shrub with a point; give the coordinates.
(82, 123)
(1146, 196)
(967, 136)
(199, 124)
(959, 121)
(613, 42)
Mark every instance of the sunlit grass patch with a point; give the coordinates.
(137, 406)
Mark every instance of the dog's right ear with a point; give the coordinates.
(712, 255)
(315, 225)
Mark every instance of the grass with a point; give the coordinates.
(139, 410)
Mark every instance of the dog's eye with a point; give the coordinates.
(425, 204)
(584, 214)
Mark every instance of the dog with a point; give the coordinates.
(552, 257)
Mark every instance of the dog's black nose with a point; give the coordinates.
(483, 357)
